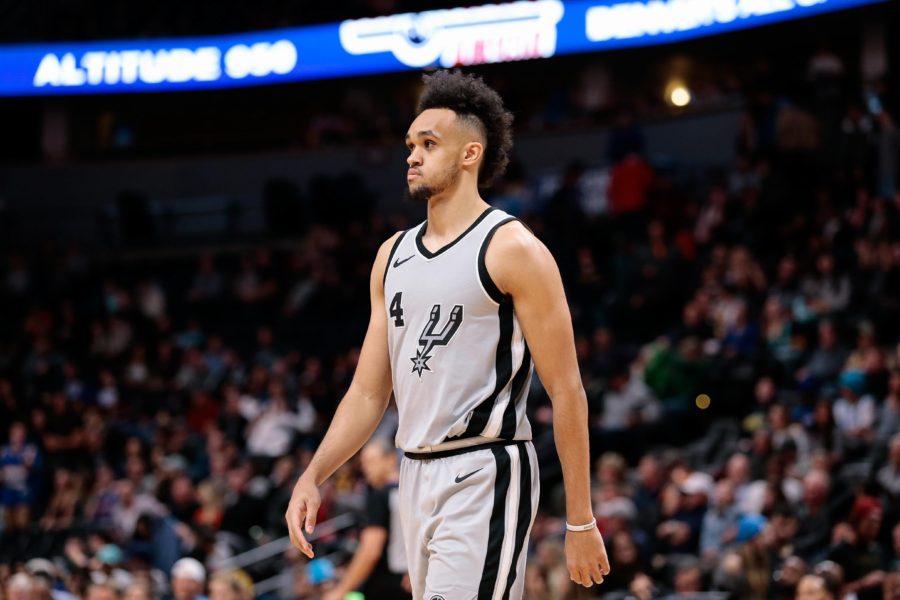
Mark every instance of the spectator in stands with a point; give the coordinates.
(813, 587)
(889, 415)
(650, 479)
(626, 555)
(787, 578)
(103, 591)
(824, 437)
(64, 503)
(827, 359)
(188, 580)
(630, 183)
(854, 413)
(139, 590)
(321, 577)
(680, 533)
(892, 586)
(827, 293)
(272, 432)
(207, 283)
(887, 147)
(130, 506)
(19, 462)
(231, 585)
(243, 508)
(688, 579)
(779, 332)
(855, 546)
(211, 506)
(785, 433)
(720, 523)
(378, 566)
(754, 537)
(814, 522)
(737, 473)
(19, 587)
(628, 403)
(182, 497)
(107, 567)
(888, 476)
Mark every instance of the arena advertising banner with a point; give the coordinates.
(492, 33)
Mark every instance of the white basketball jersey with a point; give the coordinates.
(461, 367)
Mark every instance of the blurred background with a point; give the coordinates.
(184, 267)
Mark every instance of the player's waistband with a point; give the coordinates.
(454, 451)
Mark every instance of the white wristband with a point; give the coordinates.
(588, 527)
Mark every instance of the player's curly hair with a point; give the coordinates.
(473, 100)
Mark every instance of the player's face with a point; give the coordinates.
(436, 148)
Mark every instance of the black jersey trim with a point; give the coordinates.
(486, 282)
(516, 395)
(503, 367)
(391, 255)
(497, 527)
(429, 254)
(523, 519)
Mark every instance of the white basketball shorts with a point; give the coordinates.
(466, 517)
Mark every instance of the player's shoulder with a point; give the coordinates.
(513, 239)
(516, 258)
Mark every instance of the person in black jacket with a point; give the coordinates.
(378, 567)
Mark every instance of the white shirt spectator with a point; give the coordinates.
(635, 399)
(889, 478)
(125, 517)
(273, 432)
(850, 416)
(152, 300)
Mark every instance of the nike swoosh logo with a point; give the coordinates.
(398, 262)
(463, 478)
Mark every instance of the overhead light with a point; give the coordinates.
(677, 94)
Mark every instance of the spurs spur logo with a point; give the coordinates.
(429, 338)
(459, 36)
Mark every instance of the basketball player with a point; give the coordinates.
(461, 306)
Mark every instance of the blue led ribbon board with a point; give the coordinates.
(492, 33)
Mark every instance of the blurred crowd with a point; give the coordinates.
(577, 92)
(738, 335)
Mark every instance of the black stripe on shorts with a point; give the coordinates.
(497, 526)
(523, 520)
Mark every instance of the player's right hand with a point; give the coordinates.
(301, 514)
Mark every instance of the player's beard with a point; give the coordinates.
(423, 193)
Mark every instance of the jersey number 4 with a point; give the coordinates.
(396, 310)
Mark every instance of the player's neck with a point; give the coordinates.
(450, 214)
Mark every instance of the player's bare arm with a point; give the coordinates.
(522, 267)
(356, 417)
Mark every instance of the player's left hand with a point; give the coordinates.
(586, 557)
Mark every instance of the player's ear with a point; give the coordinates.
(472, 153)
